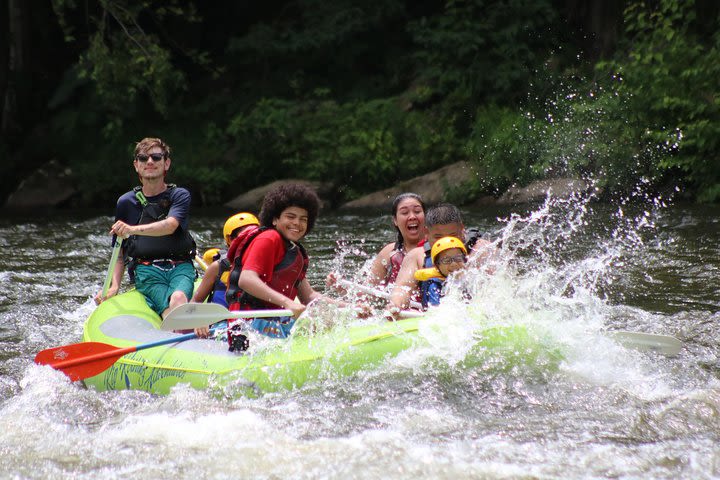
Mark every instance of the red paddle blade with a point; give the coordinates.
(82, 360)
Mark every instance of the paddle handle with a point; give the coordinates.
(373, 291)
(199, 260)
(258, 314)
(121, 351)
(111, 267)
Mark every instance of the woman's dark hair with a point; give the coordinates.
(289, 195)
(443, 214)
(395, 204)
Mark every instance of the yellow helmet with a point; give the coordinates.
(446, 243)
(236, 221)
(211, 255)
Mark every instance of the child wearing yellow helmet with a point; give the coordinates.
(232, 226)
(214, 282)
(210, 255)
(448, 255)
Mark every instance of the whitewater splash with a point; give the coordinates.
(552, 270)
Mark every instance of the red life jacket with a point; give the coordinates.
(286, 276)
(396, 259)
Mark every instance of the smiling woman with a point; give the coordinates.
(408, 216)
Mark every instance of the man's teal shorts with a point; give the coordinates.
(158, 282)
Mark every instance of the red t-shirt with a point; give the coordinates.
(264, 252)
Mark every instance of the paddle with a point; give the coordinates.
(196, 315)
(87, 359)
(201, 263)
(373, 291)
(111, 266)
(663, 344)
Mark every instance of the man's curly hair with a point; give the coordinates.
(289, 195)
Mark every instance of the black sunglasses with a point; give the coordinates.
(141, 157)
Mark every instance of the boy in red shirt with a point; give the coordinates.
(269, 263)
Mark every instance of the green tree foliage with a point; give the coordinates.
(356, 146)
(126, 59)
(307, 45)
(672, 75)
(589, 135)
(477, 50)
(651, 118)
(363, 94)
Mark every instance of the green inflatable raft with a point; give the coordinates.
(269, 364)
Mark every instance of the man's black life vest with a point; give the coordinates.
(179, 245)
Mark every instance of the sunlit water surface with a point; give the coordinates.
(569, 269)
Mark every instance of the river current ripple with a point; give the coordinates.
(574, 269)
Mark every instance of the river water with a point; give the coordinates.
(574, 268)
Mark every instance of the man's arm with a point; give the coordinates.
(155, 229)
(124, 225)
(180, 207)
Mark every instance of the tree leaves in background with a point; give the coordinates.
(671, 74)
(129, 58)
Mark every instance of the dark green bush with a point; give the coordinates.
(356, 146)
(671, 76)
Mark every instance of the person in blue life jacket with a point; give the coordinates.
(442, 220)
(153, 217)
(213, 286)
(448, 255)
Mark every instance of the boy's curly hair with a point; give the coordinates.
(289, 195)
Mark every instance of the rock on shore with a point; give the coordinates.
(49, 186)
(251, 200)
(538, 190)
(432, 187)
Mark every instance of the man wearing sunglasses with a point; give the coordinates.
(153, 217)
